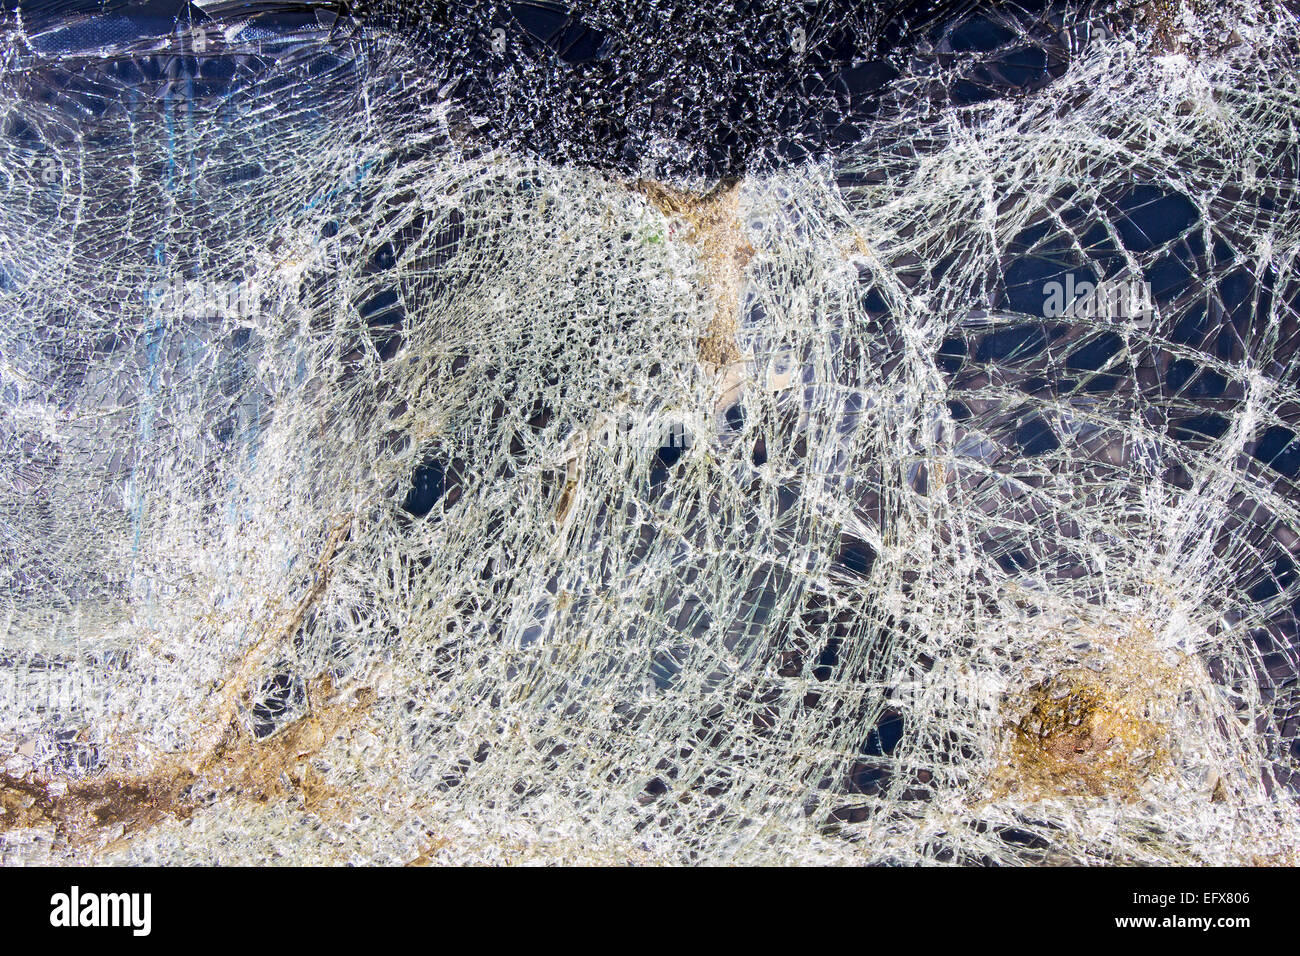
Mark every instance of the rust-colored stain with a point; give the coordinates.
(1099, 731)
(1080, 737)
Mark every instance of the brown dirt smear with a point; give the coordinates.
(714, 228)
(103, 812)
(279, 628)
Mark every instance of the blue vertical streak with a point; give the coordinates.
(157, 333)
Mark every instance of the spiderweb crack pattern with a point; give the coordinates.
(369, 493)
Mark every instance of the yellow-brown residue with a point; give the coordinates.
(1094, 732)
(101, 812)
(710, 222)
(428, 855)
